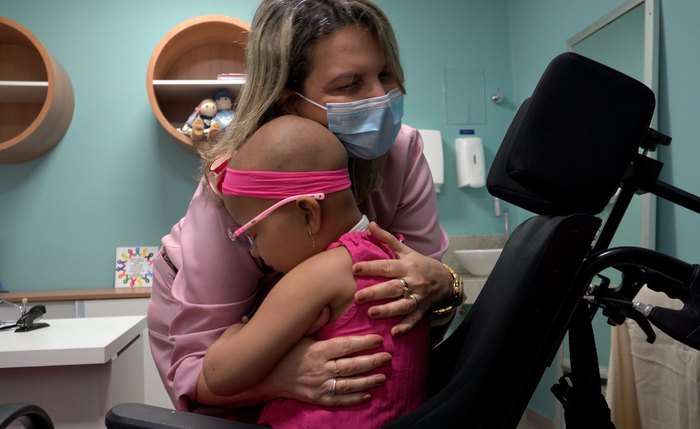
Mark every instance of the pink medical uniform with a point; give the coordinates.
(405, 377)
(207, 283)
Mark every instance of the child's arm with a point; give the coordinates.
(242, 357)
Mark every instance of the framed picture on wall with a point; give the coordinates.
(134, 266)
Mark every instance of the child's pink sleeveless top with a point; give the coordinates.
(405, 376)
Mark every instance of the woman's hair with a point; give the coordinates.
(283, 35)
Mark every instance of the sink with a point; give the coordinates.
(478, 262)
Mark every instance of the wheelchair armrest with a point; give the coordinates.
(142, 416)
(29, 415)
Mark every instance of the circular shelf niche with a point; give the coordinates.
(36, 96)
(184, 67)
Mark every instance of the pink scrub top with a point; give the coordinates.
(207, 283)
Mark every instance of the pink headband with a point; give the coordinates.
(283, 184)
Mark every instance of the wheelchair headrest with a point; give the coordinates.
(571, 143)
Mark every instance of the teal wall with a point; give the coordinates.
(677, 228)
(117, 179)
(456, 33)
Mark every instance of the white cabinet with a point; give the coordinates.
(58, 307)
(76, 369)
(155, 393)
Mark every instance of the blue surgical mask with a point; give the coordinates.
(367, 127)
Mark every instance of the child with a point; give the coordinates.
(289, 187)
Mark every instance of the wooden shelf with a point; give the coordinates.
(23, 92)
(184, 66)
(192, 89)
(36, 96)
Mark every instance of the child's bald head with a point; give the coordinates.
(291, 143)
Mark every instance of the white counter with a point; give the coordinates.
(76, 341)
(76, 369)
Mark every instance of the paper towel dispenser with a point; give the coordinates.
(432, 150)
(470, 162)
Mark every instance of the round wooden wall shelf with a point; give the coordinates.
(184, 67)
(36, 96)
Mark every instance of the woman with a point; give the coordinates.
(303, 54)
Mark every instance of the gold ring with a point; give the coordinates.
(415, 299)
(406, 291)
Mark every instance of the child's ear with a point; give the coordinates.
(312, 213)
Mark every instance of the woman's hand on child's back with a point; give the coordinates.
(307, 371)
(419, 282)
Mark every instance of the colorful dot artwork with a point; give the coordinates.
(134, 267)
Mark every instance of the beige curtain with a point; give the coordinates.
(653, 386)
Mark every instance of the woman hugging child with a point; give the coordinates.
(289, 188)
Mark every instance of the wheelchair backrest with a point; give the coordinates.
(564, 156)
(572, 141)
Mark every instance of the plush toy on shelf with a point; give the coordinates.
(199, 122)
(224, 108)
(224, 114)
(210, 118)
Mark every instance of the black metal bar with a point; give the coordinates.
(614, 218)
(676, 195)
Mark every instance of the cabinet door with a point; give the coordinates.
(155, 393)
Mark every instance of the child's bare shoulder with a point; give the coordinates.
(336, 261)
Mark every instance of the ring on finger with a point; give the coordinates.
(331, 391)
(406, 290)
(414, 298)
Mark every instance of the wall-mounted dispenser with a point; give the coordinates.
(470, 162)
(432, 149)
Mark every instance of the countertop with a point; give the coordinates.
(472, 284)
(75, 294)
(77, 341)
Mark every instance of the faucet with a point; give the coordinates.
(498, 213)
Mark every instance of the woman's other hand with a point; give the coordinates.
(307, 371)
(429, 284)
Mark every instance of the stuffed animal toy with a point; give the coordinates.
(224, 114)
(224, 108)
(199, 122)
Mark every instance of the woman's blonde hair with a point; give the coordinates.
(278, 57)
